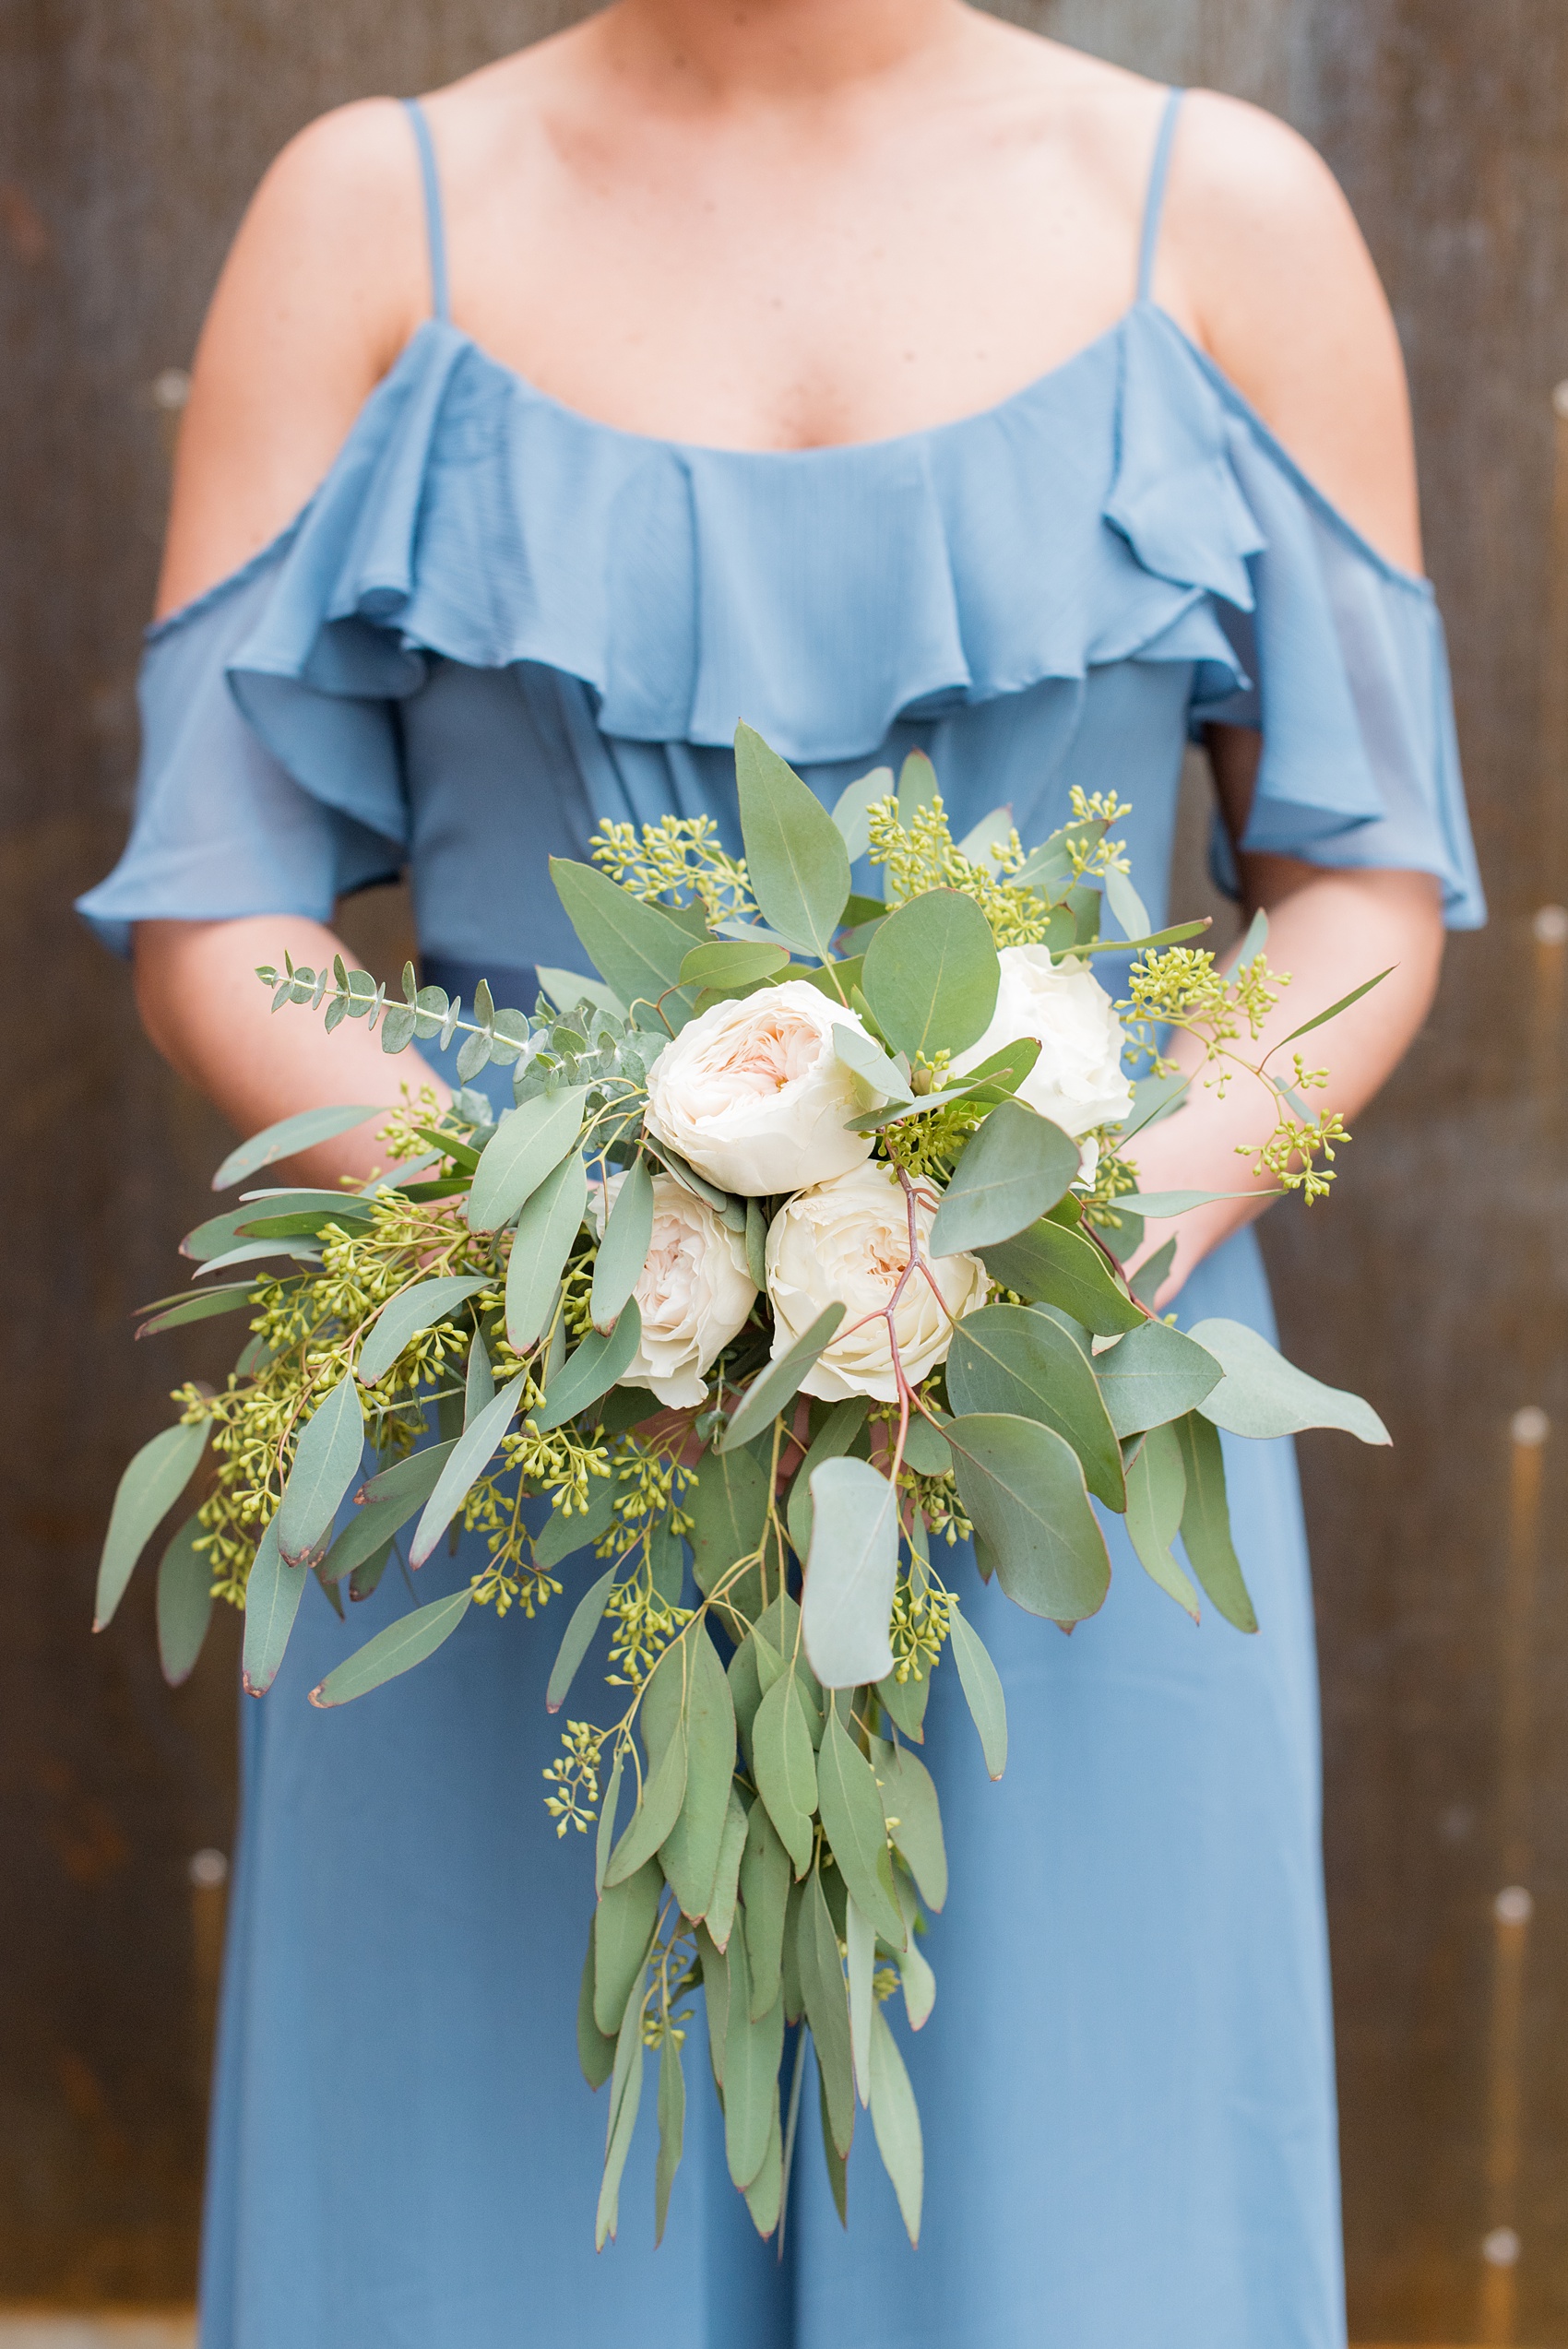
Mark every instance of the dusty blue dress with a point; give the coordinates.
(495, 622)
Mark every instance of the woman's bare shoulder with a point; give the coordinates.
(1262, 260)
(327, 278)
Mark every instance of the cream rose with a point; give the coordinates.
(694, 1291)
(751, 1094)
(846, 1242)
(1077, 1082)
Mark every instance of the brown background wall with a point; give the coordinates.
(130, 132)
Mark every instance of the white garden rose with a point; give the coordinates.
(751, 1094)
(1078, 1081)
(694, 1291)
(846, 1242)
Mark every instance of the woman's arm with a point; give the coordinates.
(210, 1018)
(1261, 252)
(1330, 930)
(319, 292)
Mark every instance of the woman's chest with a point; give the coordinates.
(772, 296)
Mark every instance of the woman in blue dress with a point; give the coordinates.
(885, 376)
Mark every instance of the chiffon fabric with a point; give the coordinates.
(496, 623)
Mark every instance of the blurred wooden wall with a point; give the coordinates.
(130, 133)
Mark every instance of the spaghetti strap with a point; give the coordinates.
(435, 225)
(1153, 203)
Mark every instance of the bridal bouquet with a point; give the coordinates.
(802, 1250)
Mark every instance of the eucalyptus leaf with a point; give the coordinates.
(778, 1385)
(587, 1616)
(546, 1230)
(839, 1434)
(407, 1483)
(479, 1386)
(1320, 1019)
(826, 2001)
(837, 2169)
(396, 1649)
(732, 962)
(752, 2054)
(1126, 905)
(151, 1484)
(860, 1967)
(917, 787)
(288, 1137)
(663, 1793)
(867, 1060)
(1153, 1374)
(184, 1602)
(597, 1363)
(689, 1853)
(363, 1582)
(562, 1536)
(595, 2052)
(272, 1600)
(896, 2119)
(638, 949)
(205, 1304)
(931, 973)
(988, 841)
(370, 1524)
(406, 1316)
(1023, 1490)
(983, 1692)
(622, 1249)
(1014, 1358)
(1017, 1167)
(1053, 1264)
(796, 860)
(904, 1702)
(671, 2130)
(1157, 1492)
(1152, 1275)
(326, 1460)
(470, 1457)
(529, 1143)
(914, 1818)
(926, 1448)
(1157, 1206)
(1206, 1522)
(850, 1808)
(720, 1914)
(728, 1507)
(1263, 1394)
(915, 1975)
(622, 1928)
(851, 809)
(764, 1892)
(784, 1766)
(625, 2095)
(846, 1601)
(756, 1244)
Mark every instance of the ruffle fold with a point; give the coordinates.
(821, 595)
(1129, 507)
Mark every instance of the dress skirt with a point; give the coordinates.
(1125, 2084)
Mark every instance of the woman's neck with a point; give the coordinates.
(775, 51)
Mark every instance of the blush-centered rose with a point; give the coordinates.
(751, 1094)
(848, 1242)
